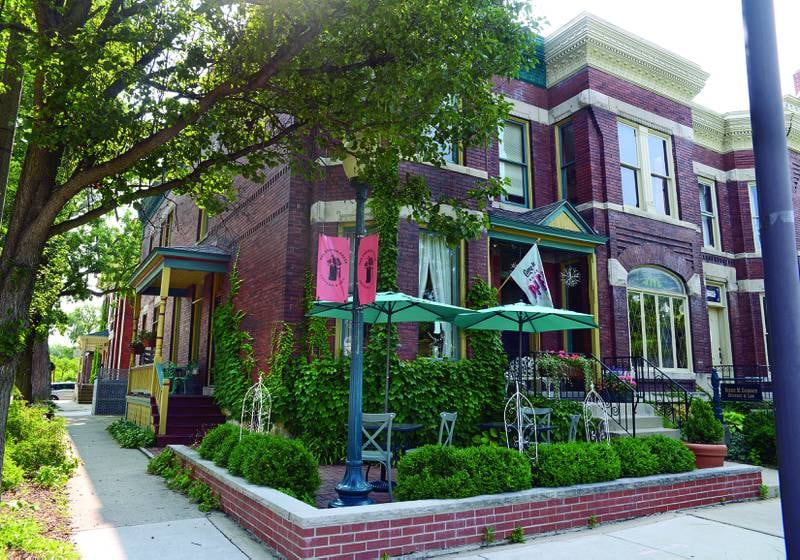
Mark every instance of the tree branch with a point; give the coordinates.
(196, 173)
(370, 62)
(13, 26)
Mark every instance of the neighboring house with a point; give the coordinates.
(647, 199)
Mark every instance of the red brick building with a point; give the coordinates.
(643, 197)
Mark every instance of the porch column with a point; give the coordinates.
(137, 303)
(594, 305)
(162, 310)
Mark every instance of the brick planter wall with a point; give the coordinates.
(296, 530)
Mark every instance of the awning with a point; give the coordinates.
(188, 266)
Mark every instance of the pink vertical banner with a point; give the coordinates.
(333, 268)
(367, 273)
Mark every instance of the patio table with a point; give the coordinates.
(404, 430)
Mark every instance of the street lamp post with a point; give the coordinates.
(354, 490)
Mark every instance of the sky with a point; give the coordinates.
(708, 32)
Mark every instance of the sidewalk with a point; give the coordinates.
(735, 531)
(121, 512)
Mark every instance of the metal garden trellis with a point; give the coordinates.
(256, 409)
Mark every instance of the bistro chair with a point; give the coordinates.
(543, 424)
(574, 420)
(447, 427)
(377, 446)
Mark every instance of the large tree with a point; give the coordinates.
(134, 98)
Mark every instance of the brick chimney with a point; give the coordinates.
(797, 83)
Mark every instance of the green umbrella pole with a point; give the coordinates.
(388, 361)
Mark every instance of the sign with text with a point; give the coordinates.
(529, 275)
(742, 392)
(333, 268)
(367, 274)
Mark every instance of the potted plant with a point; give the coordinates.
(703, 435)
(620, 387)
(136, 346)
(148, 338)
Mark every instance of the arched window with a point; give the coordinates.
(658, 318)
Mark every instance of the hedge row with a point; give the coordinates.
(435, 472)
(264, 459)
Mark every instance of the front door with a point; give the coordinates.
(720, 347)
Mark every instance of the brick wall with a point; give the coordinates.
(296, 530)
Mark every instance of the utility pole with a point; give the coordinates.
(778, 250)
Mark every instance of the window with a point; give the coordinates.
(708, 214)
(166, 231)
(567, 178)
(646, 170)
(513, 142)
(438, 281)
(202, 225)
(756, 220)
(658, 318)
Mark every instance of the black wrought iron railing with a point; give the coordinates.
(618, 392)
(654, 387)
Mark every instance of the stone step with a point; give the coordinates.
(644, 432)
(649, 421)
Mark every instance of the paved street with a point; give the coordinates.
(120, 512)
(746, 531)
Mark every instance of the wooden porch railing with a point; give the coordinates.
(149, 380)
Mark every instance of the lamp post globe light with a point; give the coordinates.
(354, 490)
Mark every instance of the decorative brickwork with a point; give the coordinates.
(296, 530)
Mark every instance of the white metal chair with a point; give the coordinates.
(574, 420)
(543, 425)
(377, 429)
(447, 427)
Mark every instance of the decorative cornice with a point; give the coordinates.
(727, 132)
(590, 41)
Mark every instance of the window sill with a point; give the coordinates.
(510, 206)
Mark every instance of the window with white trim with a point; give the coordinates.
(567, 177)
(438, 281)
(658, 318)
(646, 170)
(755, 219)
(513, 143)
(708, 213)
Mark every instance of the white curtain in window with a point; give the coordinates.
(434, 260)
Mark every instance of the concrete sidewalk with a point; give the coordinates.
(121, 512)
(743, 531)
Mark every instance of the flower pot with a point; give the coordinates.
(137, 348)
(616, 395)
(708, 455)
(148, 342)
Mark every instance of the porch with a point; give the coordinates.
(158, 381)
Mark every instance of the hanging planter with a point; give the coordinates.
(147, 338)
(136, 347)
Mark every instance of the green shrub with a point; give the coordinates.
(700, 425)
(163, 462)
(280, 462)
(214, 438)
(242, 449)
(673, 456)
(759, 434)
(450, 472)
(131, 436)
(225, 448)
(737, 448)
(12, 473)
(51, 477)
(201, 494)
(36, 438)
(635, 457)
(19, 533)
(566, 464)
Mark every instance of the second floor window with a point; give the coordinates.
(513, 142)
(646, 170)
(708, 214)
(755, 218)
(568, 180)
(166, 231)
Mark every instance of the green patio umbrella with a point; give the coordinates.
(523, 317)
(388, 308)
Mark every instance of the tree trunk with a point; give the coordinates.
(6, 383)
(40, 371)
(9, 109)
(24, 373)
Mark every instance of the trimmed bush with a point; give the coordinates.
(37, 439)
(280, 462)
(226, 447)
(759, 434)
(635, 457)
(566, 464)
(673, 456)
(701, 426)
(241, 450)
(448, 472)
(214, 438)
(131, 436)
